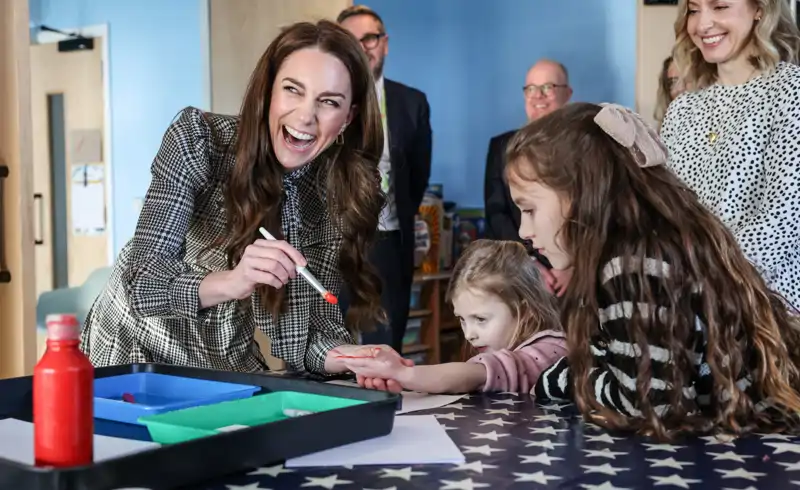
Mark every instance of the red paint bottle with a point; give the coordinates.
(63, 398)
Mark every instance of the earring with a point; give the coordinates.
(340, 136)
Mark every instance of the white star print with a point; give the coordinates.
(252, 486)
(507, 393)
(467, 484)
(603, 438)
(550, 417)
(784, 447)
(272, 471)
(602, 453)
(507, 401)
(492, 436)
(547, 444)
(667, 463)
(404, 473)
(499, 411)
(730, 456)
(547, 430)
(486, 450)
(327, 482)
(751, 487)
(554, 407)
(724, 439)
(791, 466)
(447, 427)
(477, 466)
(605, 486)
(674, 480)
(497, 421)
(538, 477)
(740, 473)
(778, 437)
(542, 458)
(592, 426)
(605, 469)
(448, 416)
(661, 447)
(457, 406)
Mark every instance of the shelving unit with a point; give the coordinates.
(437, 321)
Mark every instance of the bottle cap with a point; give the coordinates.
(63, 327)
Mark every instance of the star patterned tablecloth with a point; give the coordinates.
(511, 442)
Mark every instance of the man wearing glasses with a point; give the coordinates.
(405, 167)
(546, 89)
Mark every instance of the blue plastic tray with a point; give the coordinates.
(159, 393)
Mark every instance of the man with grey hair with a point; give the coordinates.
(546, 89)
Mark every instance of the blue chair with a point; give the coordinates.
(76, 300)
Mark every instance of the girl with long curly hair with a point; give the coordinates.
(300, 160)
(670, 328)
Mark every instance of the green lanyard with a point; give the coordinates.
(384, 175)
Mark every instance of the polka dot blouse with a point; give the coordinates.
(738, 148)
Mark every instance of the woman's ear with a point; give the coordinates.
(351, 114)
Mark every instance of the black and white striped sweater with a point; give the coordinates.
(616, 355)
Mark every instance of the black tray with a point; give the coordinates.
(196, 461)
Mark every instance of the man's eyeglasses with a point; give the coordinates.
(369, 41)
(546, 90)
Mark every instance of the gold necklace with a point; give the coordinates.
(713, 135)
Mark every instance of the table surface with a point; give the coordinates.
(511, 442)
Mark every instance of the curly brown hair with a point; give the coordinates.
(349, 170)
(618, 209)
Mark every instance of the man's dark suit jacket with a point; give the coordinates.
(410, 146)
(502, 215)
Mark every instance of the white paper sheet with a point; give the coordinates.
(413, 401)
(16, 443)
(415, 439)
(88, 200)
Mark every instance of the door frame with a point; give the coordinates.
(102, 31)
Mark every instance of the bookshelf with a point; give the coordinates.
(438, 338)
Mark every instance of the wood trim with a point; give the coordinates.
(17, 298)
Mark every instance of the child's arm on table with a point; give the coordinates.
(453, 377)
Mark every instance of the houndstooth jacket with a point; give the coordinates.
(149, 310)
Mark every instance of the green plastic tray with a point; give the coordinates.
(208, 420)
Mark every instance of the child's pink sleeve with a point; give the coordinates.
(518, 371)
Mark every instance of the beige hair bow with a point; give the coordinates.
(632, 132)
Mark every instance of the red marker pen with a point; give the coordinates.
(327, 295)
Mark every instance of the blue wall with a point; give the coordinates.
(156, 66)
(471, 62)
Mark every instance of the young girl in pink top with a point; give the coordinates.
(507, 316)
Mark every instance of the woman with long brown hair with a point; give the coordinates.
(301, 161)
(670, 328)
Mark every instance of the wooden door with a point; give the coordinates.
(17, 302)
(241, 30)
(69, 177)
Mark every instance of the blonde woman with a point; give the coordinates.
(735, 139)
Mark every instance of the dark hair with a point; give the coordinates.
(349, 170)
(504, 269)
(357, 10)
(619, 209)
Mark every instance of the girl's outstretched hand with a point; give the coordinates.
(379, 371)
